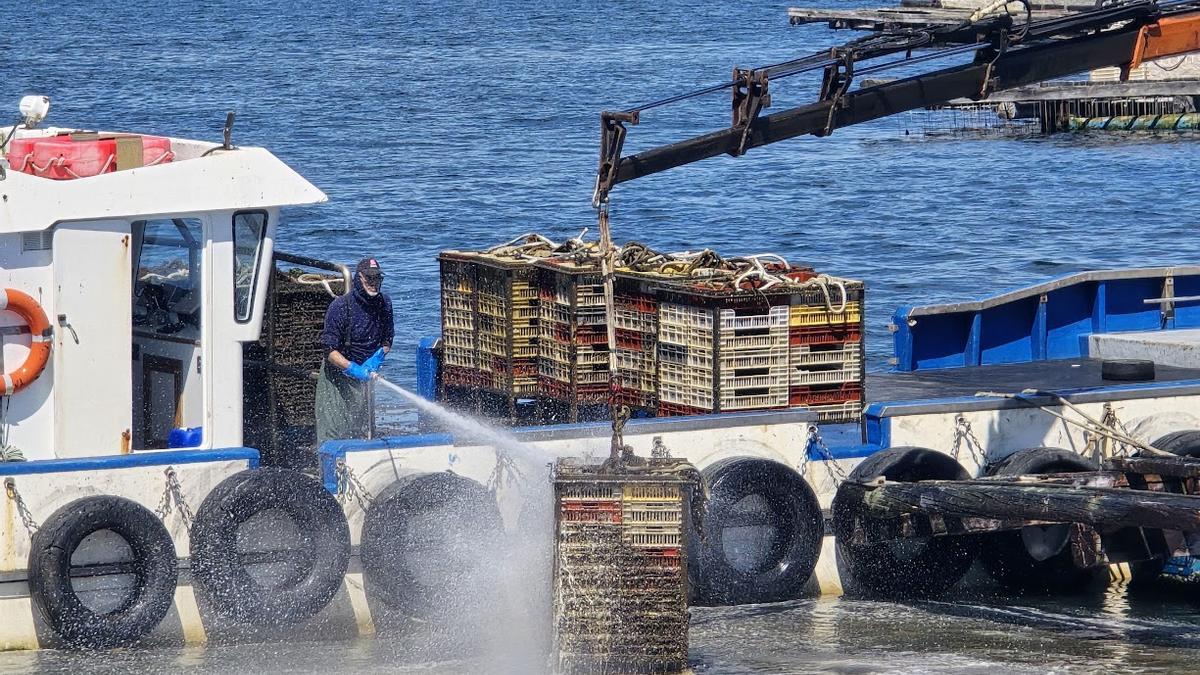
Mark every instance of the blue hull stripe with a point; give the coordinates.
(130, 461)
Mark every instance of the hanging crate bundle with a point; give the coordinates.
(620, 568)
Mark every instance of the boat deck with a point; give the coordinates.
(1055, 375)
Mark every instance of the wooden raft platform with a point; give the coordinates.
(918, 13)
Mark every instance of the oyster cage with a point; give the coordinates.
(620, 572)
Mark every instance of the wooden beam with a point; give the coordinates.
(1098, 507)
(1067, 91)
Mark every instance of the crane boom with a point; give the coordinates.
(1014, 56)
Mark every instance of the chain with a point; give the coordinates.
(1110, 420)
(963, 435)
(10, 489)
(505, 473)
(172, 500)
(349, 487)
(815, 442)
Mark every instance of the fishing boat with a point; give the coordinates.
(148, 498)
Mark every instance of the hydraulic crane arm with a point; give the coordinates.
(1039, 52)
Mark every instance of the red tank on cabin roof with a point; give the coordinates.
(71, 156)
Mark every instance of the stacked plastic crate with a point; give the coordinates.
(620, 572)
(826, 352)
(490, 332)
(717, 353)
(573, 359)
(636, 333)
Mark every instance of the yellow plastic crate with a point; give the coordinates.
(820, 315)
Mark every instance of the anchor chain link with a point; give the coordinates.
(963, 435)
(836, 473)
(173, 500)
(350, 488)
(10, 489)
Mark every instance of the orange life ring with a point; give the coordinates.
(40, 331)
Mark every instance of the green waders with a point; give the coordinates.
(341, 406)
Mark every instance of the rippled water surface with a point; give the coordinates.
(446, 124)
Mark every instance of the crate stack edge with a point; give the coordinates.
(827, 366)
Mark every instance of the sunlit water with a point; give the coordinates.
(446, 124)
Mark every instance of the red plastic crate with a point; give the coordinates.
(634, 340)
(598, 511)
(591, 335)
(822, 394)
(674, 410)
(664, 557)
(637, 303)
(815, 335)
(460, 376)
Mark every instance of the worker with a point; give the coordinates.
(357, 336)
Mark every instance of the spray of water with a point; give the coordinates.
(512, 627)
(470, 429)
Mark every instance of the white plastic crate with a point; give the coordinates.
(458, 338)
(692, 338)
(776, 317)
(851, 372)
(458, 356)
(453, 300)
(589, 356)
(685, 316)
(776, 381)
(674, 373)
(559, 372)
(773, 399)
(776, 339)
(629, 319)
(652, 536)
(772, 357)
(491, 305)
(686, 396)
(692, 357)
(819, 355)
(652, 513)
(850, 411)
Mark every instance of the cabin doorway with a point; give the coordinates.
(168, 298)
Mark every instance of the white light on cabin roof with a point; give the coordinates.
(34, 109)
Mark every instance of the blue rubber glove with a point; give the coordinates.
(372, 364)
(358, 371)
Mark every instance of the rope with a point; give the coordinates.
(1090, 424)
(314, 279)
(61, 162)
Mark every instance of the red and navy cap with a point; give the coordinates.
(369, 268)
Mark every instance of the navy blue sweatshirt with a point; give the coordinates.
(357, 324)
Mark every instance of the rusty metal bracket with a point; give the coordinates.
(612, 140)
(750, 95)
(835, 83)
(999, 47)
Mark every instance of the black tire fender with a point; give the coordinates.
(464, 543)
(219, 570)
(799, 525)
(154, 569)
(1006, 555)
(1184, 443)
(934, 564)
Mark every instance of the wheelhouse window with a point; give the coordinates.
(167, 285)
(249, 230)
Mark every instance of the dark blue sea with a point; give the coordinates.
(436, 125)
